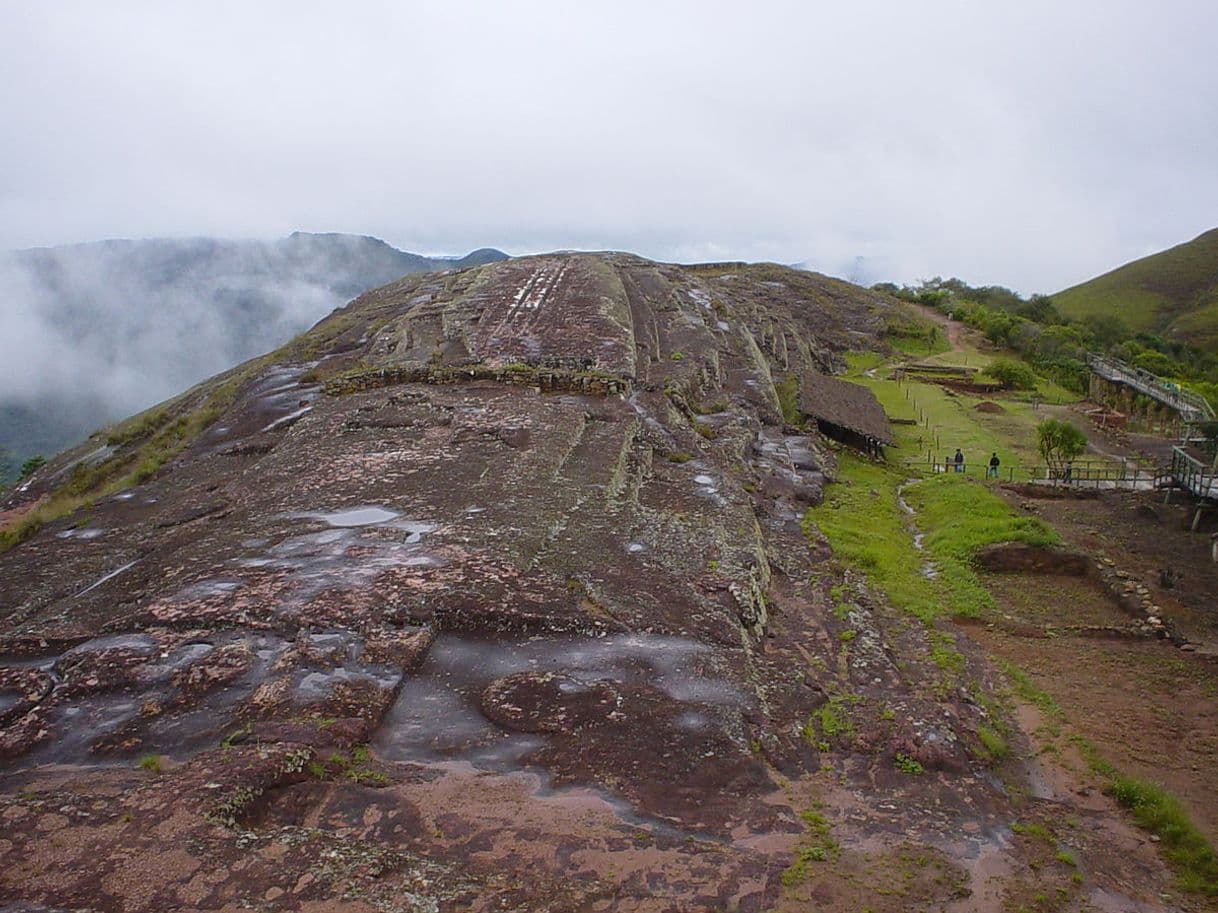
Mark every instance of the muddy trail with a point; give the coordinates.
(491, 593)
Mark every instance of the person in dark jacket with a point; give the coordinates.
(992, 472)
(958, 459)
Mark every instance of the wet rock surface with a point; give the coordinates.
(489, 593)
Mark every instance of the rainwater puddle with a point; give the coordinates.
(175, 659)
(139, 643)
(356, 516)
(110, 576)
(318, 685)
(360, 544)
(289, 418)
(437, 718)
(92, 458)
(78, 723)
(276, 399)
(206, 589)
(86, 533)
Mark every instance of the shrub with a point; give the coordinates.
(1012, 374)
(32, 465)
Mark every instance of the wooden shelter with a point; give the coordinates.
(845, 412)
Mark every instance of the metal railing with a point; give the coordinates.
(1106, 474)
(1103, 474)
(1008, 473)
(1191, 406)
(1190, 473)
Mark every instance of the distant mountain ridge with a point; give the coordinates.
(91, 332)
(1173, 293)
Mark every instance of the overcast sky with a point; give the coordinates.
(1030, 144)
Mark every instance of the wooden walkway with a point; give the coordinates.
(1191, 407)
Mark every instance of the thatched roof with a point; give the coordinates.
(846, 405)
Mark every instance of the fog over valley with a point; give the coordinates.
(95, 332)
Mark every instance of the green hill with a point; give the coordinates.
(1173, 293)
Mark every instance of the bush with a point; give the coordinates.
(1012, 374)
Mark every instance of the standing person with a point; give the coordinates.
(992, 472)
(959, 460)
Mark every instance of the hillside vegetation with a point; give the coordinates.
(1173, 293)
(1055, 344)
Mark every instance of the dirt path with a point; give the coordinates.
(952, 328)
(1148, 707)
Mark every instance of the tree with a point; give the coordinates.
(1059, 441)
(32, 465)
(1040, 309)
(1106, 329)
(1157, 363)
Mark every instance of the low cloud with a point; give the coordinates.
(84, 325)
(1032, 144)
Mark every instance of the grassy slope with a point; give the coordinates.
(1175, 291)
(868, 530)
(865, 524)
(953, 420)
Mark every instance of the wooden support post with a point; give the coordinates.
(1196, 518)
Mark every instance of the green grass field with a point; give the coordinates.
(947, 420)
